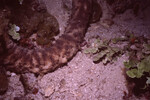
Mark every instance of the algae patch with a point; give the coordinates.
(13, 32)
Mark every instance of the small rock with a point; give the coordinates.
(133, 47)
(35, 91)
(49, 91)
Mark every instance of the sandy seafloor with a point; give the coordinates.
(81, 79)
